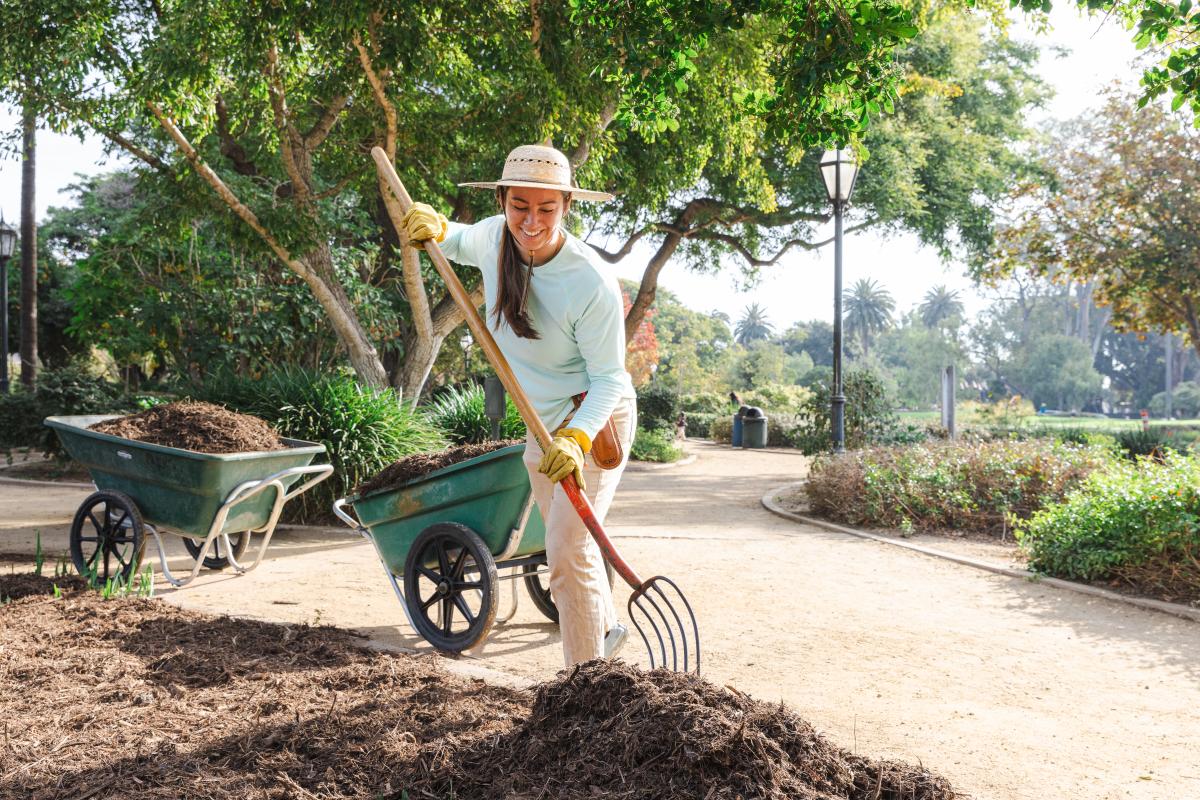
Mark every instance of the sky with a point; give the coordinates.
(799, 286)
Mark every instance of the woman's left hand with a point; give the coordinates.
(565, 455)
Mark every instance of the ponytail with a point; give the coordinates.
(515, 276)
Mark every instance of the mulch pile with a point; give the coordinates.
(140, 699)
(191, 425)
(411, 467)
(26, 584)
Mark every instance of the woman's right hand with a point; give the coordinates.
(422, 223)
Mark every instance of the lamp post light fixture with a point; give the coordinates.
(839, 168)
(8, 243)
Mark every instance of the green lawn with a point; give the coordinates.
(1046, 421)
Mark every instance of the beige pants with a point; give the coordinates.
(577, 578)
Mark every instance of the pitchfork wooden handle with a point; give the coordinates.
(484, 337)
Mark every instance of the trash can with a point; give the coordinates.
(736, 439)
(754, 428)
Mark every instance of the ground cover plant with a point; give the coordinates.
(656, 444)
(964, 485)
(1133, 523)
(140, 699)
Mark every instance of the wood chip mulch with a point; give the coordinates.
(139, 699)
(417, 465)
(192, 425)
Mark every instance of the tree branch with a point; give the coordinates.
(377, 81)
(289, 138)
(229, 145)
(225, 193)
(613, 258)
(318, 133)
(447, 315)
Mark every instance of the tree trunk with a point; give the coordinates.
(649, 285)
(419, 354)
(330, 293)
(29, 348)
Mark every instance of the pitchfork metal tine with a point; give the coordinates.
(636, 600)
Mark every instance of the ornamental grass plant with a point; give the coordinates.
(966, 486)
(363, 430)
(460, 412)
(1133, 523)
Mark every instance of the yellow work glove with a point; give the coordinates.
(422, 223)
(565, 455)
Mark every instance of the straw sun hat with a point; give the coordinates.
(539, 167)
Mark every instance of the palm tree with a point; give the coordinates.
(869, 309)
(753, 325)
(939, 304)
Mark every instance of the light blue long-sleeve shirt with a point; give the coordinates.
(576, 308)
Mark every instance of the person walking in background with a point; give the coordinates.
(558, 317)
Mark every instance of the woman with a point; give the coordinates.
(558, 318)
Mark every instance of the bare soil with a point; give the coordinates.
(141, 699)
(202, 427)
(417, 465)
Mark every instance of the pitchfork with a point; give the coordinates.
(651, 603)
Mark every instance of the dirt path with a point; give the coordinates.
(1009, 688)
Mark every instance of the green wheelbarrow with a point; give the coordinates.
(447, 535)
(215, 502)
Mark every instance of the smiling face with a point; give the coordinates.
(533, 217)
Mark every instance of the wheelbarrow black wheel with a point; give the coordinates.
(539, 590)
(217, 558)
(450, 586)
(107, 537)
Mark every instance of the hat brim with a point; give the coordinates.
(576, 193)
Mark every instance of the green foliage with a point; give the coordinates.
(66, 390)
(1147, 442)
(1134, 522)
(721, 430)
(779, 399)
(459, 411)
(363, 430)
(1185, 400)
(1056, 371)
(868, 413)
(655, 444)
(658, 407)
(706, 403)
(699, 423)
(978, 486)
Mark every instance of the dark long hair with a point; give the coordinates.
(515, 276)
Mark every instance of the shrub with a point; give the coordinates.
(721, 430)
(363, 430)
(698, 424)
(460, 413)
(658, 407)
(868, 415)
(67, 390)
(784, 430)
(1134, 522)
(1151, 442)
(977, 486)
(656, 444)
(706, 403)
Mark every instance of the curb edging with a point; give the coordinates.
(1175, 609)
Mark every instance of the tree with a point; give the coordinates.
(1119, 212)
(693, 347)
(913, 354)
(29, 250)
(753, 325)
(814, 337)
(939, 305)
(267, 113)
(1056, 370)
(869, 309)
(937, 165)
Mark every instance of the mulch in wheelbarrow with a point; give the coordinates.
(194, 425)
(414, 466)
(139, 699)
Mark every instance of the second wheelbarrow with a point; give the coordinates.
(444, 537)
(214, 501)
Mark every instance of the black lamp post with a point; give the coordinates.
(838, 169)
(8, 243)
